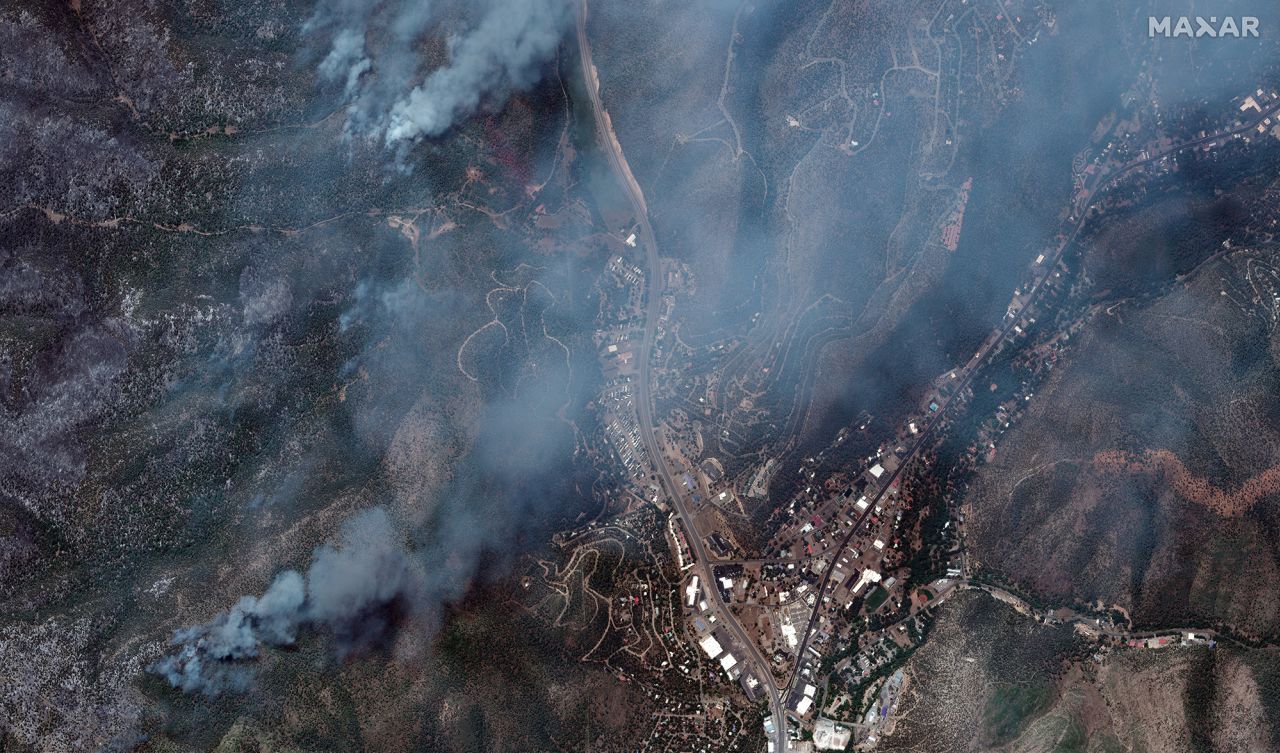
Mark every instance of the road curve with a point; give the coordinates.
(644, 409)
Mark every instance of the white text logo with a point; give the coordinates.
(1199, 26)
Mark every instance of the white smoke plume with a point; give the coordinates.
(503, 52)
(346, 60)
(352, 590)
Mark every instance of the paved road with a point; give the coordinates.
(1102, 632)
(644, 409)
(1251, 125)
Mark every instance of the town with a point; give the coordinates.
(825, 610)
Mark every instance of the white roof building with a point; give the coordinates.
(711, 646)
(805, 703)
(691, 592)
(867, 576)
(789, 634)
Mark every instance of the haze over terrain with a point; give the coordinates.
(547, 375)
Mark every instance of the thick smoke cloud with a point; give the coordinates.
(372, 79)
(502, 52)
(353, 591)
(347, 60)
(505, 50)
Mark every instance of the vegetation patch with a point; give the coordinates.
(1011, 708)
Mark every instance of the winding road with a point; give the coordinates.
(755, 661)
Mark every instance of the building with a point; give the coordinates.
(868, 576)
(691, 592)
(711, 646)
(806, 701)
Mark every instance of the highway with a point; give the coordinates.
(754, 661)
